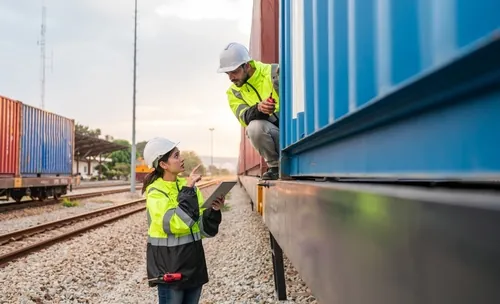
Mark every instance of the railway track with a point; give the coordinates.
(36, 203)
(87, 185)
(19, 243)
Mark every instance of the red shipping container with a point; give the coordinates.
(10, 125)
(250, 161)
(264, 46)
(264, 37)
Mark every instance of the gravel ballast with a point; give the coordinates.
(107, 265)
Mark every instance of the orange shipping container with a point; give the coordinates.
(264, 46)
(10, 124)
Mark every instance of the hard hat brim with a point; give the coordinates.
(229, 69)
(152, 165)
(175, 146)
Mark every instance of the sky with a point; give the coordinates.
(89, 72)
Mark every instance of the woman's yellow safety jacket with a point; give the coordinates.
(177, 223)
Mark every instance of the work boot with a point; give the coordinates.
(271, 174)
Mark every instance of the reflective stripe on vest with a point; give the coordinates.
(203, 233)
(173, 241)
(180, 213)
(275, 77)
(241, 107)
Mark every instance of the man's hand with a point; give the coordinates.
(193, 177)
(266, 107)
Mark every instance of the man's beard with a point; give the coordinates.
(240, 83)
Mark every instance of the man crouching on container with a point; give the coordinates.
(177, 223)
(253, 98)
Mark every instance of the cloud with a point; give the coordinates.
(179, 93)
(199, 10)
(166, 123)
(177, 110)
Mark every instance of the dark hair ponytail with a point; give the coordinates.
(156, 173)
(150, 178)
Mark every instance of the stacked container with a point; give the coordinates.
(47, 143)
(10, 123)
(34, 142)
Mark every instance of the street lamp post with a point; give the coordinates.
(132, 156)
(211, 146)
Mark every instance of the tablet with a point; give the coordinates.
(222, 189)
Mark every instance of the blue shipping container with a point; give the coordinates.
(47, 143)
(390, 88)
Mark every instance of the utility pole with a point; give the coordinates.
(42, 56)
(211, 146)
(132, 165)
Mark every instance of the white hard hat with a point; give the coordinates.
(233, 55)
(155, 149)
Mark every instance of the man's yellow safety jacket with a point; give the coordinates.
(177, 223)
(243, 100)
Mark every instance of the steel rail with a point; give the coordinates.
(35, 203)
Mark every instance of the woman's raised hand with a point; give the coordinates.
(193, 177)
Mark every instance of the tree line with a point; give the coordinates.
(119, 167)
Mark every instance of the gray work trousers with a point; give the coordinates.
(264, 137)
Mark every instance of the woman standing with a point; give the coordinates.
(177, 223)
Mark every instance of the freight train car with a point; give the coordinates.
(36, 151)
(390, 145)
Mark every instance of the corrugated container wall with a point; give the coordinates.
(47, 143)
(10, 123)
(249, 159)
(263, 47)
(351, 70)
